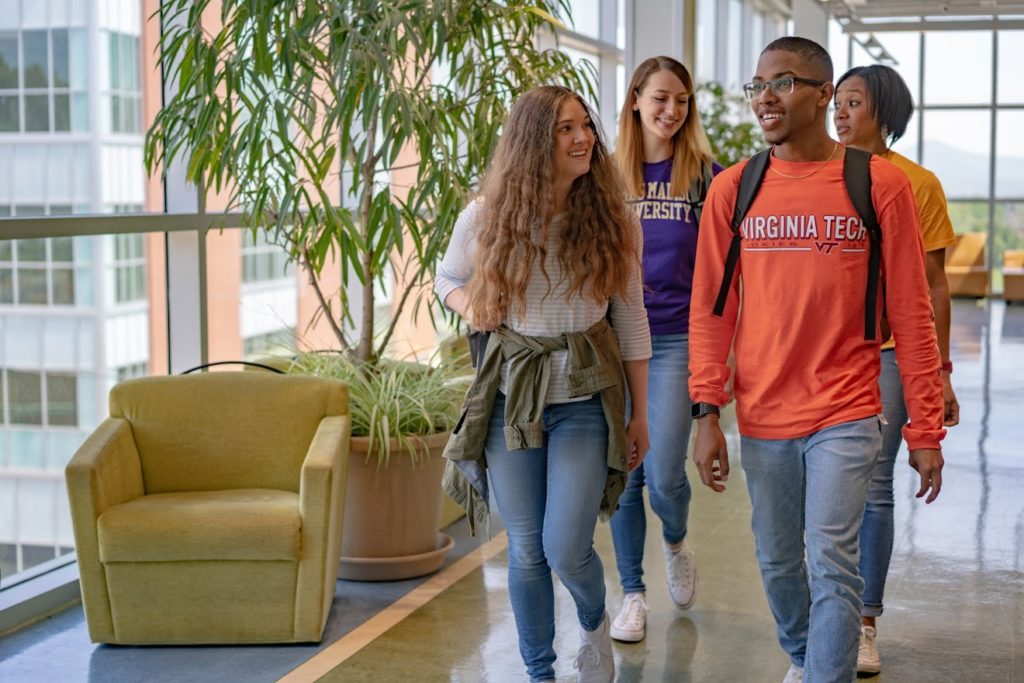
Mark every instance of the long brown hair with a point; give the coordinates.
(691, 153)
(599, 236)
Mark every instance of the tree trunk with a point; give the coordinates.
(365, 350)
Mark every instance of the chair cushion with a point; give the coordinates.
(241, 524)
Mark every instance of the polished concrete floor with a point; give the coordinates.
(954, 605)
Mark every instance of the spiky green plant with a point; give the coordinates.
(393, 402)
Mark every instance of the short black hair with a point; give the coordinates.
(889, 100)
(815, 55)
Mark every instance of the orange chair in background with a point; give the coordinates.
(965, 266)
(1013, 275)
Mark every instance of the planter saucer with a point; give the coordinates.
(396, 568)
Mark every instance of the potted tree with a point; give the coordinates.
(352, 132)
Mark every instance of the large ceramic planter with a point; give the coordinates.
(392, 514)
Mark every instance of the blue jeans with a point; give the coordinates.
(664, 468)
(810, 493)
(549, 499)
(876, 532)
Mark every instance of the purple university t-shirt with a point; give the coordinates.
(670, 249)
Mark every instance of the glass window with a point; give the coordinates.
(6, 285)
(837, 44)
(26, 397)
(905, 47)
(78, 68)
(277, 343)
(907, 145)
(860, 56)
(586, 17)
(61, 65)
(61, 399)
(9, 119)
(79, 112)
(63, 281)
(31, 250)
(10, 16)
(61, 113)
(1010, 86)
(62, 249)
(1010, 154)
(37, 113)
(1009, 236)
(130, 371)
(620, 24)
(734, 69)
(756, 39)
(32, 286)
(956, 149)
(958, 67)
(262, 260)
(968, 216)
(8, 60)
(37, 59)
(707, 15)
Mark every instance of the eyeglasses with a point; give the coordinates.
(779, 86)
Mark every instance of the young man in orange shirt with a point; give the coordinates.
(806, 382)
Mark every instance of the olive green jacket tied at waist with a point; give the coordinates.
(595, 367)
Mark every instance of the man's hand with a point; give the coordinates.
(928, 462)
(638, 441)
(951, 407)
(710, 454)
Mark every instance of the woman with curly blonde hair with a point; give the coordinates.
(547, 260)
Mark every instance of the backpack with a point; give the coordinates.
(857, 177)
(699, 192)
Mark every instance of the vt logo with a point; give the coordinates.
(826, 247)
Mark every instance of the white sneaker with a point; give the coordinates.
(868, 661)
(681, 570)
(794, 675)
(630, 625)
(594, 661)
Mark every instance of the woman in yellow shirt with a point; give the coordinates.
(872, 108)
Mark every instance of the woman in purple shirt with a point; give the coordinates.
(666, 161)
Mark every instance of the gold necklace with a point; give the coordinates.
(807, 175)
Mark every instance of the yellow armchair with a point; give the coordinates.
(965, 266)
(208, 509)
(1013, 275)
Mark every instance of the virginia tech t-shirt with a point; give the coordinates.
(802, 363)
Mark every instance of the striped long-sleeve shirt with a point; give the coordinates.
(550, 313)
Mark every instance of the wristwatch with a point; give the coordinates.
(699, 410)
(947, 367)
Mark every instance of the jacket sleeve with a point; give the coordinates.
(909, 310)
(710, 335)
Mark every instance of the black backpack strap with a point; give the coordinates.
(699, 192)
(857, 177)
(750, 183)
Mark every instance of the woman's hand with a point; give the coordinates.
(638, 441)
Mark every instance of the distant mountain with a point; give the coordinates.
(964, 173)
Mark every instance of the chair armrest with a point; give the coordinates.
(321, 507)
(104, 472)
